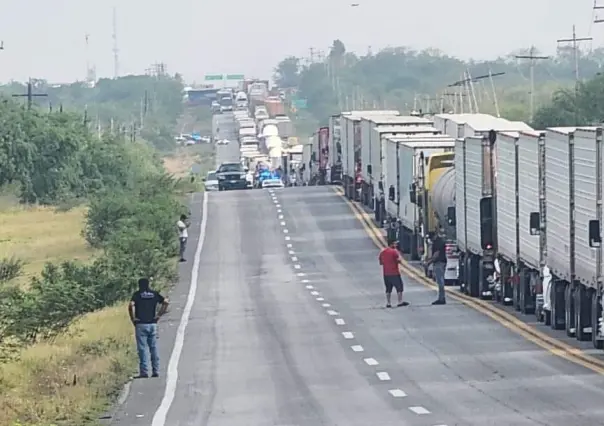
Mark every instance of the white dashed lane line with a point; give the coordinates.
(381, 375)
(419, 410)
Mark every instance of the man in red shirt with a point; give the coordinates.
(389, 259)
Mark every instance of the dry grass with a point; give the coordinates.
(38, 235)
(71, 380)
(180, 162)
(67, 381)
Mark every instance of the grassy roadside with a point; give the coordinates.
(72, 378)
(76, 374)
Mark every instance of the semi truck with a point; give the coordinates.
(403, 168)
(350, 124)
(372, 150)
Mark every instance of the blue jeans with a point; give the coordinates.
(146, 336)
(439, 276)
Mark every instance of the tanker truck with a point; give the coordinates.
(434, 194)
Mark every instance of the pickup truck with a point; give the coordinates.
(231, 176)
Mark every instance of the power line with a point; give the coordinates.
(532, 57)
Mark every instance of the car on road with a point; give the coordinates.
(226, 108)
(231, 176)
(211, 181)
(215, 106)
(222, 142)
(272, 183)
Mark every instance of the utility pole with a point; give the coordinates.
(532, 57)
(30, 95)
(574, 40)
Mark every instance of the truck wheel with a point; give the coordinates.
(596, 315)
(556, 297)
(472, 281)
(569, 311)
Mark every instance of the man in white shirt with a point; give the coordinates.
(183, 235)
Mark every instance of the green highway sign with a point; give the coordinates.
(235, 77)
(213, 77)
(300, 103)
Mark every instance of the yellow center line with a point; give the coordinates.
(551, 344)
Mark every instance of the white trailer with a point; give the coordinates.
(351, 146)
(519, 165)
(403, 157)
(573, 215)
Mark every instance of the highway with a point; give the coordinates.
(223, 127)
(284, 324)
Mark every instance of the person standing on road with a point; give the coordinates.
(389, 259)
(439, 262)
(144, 315)
(183, 235)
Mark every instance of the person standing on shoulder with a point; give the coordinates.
(183, 235)
(389, 259)
(439, 262)
(144, 315)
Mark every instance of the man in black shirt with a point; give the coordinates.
(144, 315)
(439, 260)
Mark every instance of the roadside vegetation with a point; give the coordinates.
(83, 214)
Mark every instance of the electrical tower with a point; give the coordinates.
(116, 63)
(532, 57)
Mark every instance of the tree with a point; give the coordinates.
(400, 77)
(287, 73)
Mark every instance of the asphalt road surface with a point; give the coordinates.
(223, 127)
(286, 325)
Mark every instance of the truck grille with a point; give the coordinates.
(232, 176)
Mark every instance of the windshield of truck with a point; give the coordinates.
(226, 101)
(225, 168)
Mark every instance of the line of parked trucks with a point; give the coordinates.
(521, 209)
(261, 124)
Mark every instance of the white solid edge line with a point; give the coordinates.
(340, 321)
(371, 361)
(160, 416)
(357, 348)
(419, 410)
(382, 375)
(397, 393)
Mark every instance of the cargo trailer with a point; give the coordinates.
(371, 149)
(404, 156)
(520, 255)
(377, 186)
(351, 148)
(335, 148)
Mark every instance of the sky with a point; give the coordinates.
(46, 39)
